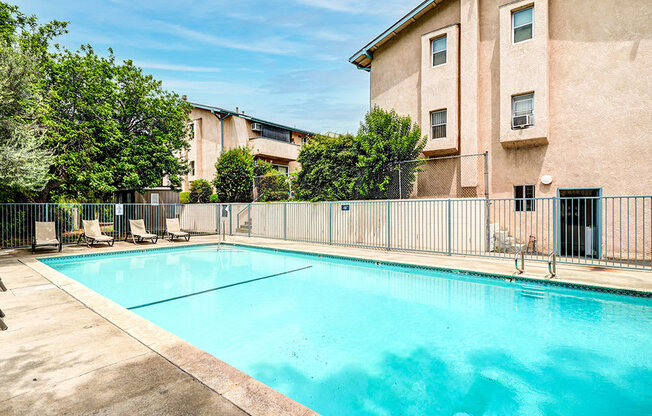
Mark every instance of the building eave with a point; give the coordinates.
(225, 113)
(362, 58)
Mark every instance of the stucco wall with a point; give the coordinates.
(599, 128)
(396, 82)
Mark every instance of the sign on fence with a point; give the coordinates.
(119, 209)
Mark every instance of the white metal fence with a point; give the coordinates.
(603, 231)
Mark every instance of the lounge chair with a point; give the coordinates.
(139, 233)
(45, 234)
(174, 230)
(93, 234)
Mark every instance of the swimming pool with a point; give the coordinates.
(346, 337)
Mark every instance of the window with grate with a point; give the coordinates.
(438, 124)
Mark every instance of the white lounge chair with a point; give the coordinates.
(45, 234)
(139, 233)
(174, 229)
(93, 234)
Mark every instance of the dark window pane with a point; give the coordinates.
(522, 33)
(439, 58)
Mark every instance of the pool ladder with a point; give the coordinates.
(3, 326)
(519, 254)
(552, 265)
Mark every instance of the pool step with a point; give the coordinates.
(244, 228)
(532, 291)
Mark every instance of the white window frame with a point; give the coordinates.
(525, 204)
(154, 198)
(520, 97)
(445, 124)
(514, 27)
(433, 53)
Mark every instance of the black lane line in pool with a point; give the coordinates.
(217, 288)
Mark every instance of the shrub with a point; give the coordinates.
(235, 171)
(184, 197)
(200, 191)
(214, 199)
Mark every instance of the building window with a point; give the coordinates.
(281, 169)
(276, 133)
(304, 140)
(524, 198)
(523, 111)
(522, 24)
(438, 124)
(154, 199)
(192, 168)
(439, 51)
(191, 134)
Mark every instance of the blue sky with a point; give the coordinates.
(285, 61)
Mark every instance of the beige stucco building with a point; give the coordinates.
(215, 129)
(552, 89)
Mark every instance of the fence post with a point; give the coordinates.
(285, 221)
(218, 214)
(389, 226)
(249, 220)
(488, 202)
(330, 223)
(449, 226)
(555, 208)
(400, 190)
(230, 219)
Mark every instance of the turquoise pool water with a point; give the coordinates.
(356, 338)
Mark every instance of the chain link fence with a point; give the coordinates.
(275, 187)
(460, 176)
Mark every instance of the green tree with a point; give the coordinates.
(235, 171)
(363, 166)
(384, 139)
(200, 191)
(109, 126)
(24, 163)
(329, 169)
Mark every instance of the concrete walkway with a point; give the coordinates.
(69, 350)
(60, 357)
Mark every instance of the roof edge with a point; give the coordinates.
(366, 53)
(214, 109)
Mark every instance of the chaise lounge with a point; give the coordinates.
(93, 234)
(139, 233)
(45, 234)
(174, 229)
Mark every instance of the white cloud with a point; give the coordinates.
(275, 46)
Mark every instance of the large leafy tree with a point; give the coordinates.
(24, 162)
(106, 125)
(364, 166)
(110, 126)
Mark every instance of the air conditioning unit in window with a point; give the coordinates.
(521, 122)
(256, 127)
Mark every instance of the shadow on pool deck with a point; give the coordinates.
(560, 385)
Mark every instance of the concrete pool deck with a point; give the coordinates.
(69, 350)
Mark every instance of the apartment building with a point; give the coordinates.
(215, 129)
(558, 92)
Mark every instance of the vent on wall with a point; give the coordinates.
(256, 127)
